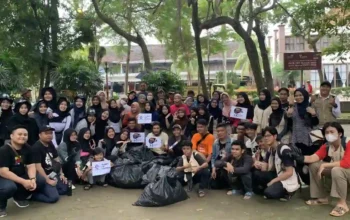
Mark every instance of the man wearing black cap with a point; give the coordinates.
(87, 122)
(49, 167)
(326, 105)
(18, 178)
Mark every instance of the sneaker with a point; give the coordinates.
(286, 198)
(248, 195)
(73, 187)
(3, 213)
(21, 203)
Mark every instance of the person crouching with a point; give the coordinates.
(193, 168)
(98, 156)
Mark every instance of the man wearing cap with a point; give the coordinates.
(326, 105)
(87, 122)
(49, 167)
(18, 177)
(26, 94)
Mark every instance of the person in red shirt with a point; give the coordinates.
(178, 104)
(309, 87)
(332, 160)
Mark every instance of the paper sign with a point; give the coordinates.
(172, 146)
(144, 118)
(137, 137)
(101, 168)
(153, 142)
(238, 112)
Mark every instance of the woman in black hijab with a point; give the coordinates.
(204, 114)
(87, 144)
(108, 142)
(21, 118)
(115, 111)
(100, 125)
(262, 110)
(96, 105)
(215, 110)
(202, 100)
(69, 153)
(49, 95)
(40, 114)
(244, 102)
(279, 120)
(78, 112)
(5, 116)
(61, 120)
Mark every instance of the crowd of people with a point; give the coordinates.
(278, 145)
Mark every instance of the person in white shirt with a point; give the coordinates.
(251, 143)
(61, 120)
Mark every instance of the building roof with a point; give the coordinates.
(157, 54)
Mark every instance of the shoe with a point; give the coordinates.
(248, 195)
(287, 197)
(73, 187)
(21, 203)
(3, 213)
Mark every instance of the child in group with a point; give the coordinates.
(98, 156)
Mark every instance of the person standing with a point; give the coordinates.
(262, 110)
(308, 87)
(26, 94)
(5, 115)
(326, 105)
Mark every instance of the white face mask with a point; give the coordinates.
(331, 138)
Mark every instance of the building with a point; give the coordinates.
(161, 61)
(283, 42)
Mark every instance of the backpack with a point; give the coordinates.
(344, 141)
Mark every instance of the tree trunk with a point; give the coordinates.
(138, 39)
(197, 33)
(320, 73)
(264, 55)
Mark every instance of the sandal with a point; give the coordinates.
(338, 211)
(87, 187)
(201, 193)
(313, 202)
(234, 192)
(248, 195)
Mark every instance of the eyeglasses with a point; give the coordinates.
(268, 135)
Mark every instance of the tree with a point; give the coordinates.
(286, 77)
(77, 75)
(10, 73)
(164, 80)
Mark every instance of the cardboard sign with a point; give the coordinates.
(238, 112)
(101, 167)
(153, 142)
(137, 137)
(144, 118)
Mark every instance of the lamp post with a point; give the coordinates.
(107, 89)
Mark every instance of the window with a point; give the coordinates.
(289, 43)
(341, 70)
(328, 73)
(314, 79)
(299, 44)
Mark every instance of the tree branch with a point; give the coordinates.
(294, 20)
(238, 9)
(263, 8)
(214, 22)
(251, 18)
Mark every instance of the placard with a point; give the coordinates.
(174, 144)
(238, 112)
(101, 167)
(144, 118)
(137, 137)
(153, 142)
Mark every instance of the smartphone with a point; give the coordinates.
(52, 175)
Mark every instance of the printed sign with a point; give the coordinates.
(238, 112)
(303, 61)
(101, 168)
(144, 118)
(153, 142)
(137, 137)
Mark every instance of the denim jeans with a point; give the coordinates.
(51, 194)
(9, 189)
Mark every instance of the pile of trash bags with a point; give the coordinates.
(138, 168)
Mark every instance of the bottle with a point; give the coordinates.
(69, 192)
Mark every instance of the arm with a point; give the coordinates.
(336, 111)
(246, 166)
(285, 128)
(125, 120)
(331, 165)
(7, 174)
(214, 154)
(167, 123)
(41, 171)
(255, 118)
(208, 159)
(285, 175)
(54, 142)
(311, 159)
(62, 152)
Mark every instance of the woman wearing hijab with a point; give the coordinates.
(216, 95)
(279, 120)
(150, 98)
(191, 127)
(189, 101)
(88, 122)
(40, 116)
(78, 112)
(86, 142)
(165, 118)
(21, 118)
(202, 100)
(304, 119)
(69, 153)
(180, 118)
(131, 97)
(122, 145)
(134, 112)
(103, 99)
(100, 126)
(150, 109)
(5, 116)
(244, 102)
(262, 110)
(115, 112)
(216, 112)
(108, 142)
(96, 105)
(61, 120)
(49, 95)
(227, 105)
(204, 114)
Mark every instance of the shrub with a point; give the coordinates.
(165, 80)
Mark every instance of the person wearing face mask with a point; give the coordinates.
(150, 98)
(78, 112)
(332, 160)
(5, 115)
(61, 120)
(262, 110)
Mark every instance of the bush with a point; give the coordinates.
(164, 80)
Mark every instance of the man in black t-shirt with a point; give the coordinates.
(18, 177)
(49, 167)
(193, 168)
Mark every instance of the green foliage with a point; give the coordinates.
(165, 80)
(285, 77)
(232, 78)
(11, 78)
(344, 91)
(79, 76)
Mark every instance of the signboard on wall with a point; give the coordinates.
(303, 61)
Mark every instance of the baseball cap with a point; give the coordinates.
(177, 126)
(24, 91)
(46, 128)
(92, 112)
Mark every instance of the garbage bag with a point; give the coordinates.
(140, 153)
(163, 160)
(167, 190)
(126, 176)
(120, 162)
(157, 171)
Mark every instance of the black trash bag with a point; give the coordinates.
(174, 162)
(120, 162)
(167, 190)
(140, 153)
(126, 176)
(156, 172)
(161, 160)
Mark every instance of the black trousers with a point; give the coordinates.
(239, 181)
(69, 170)
(275, 191)
(202, 177)
(261, 179)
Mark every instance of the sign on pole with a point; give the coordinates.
(303, 61)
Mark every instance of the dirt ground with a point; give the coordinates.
(112, 203)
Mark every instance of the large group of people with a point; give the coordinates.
(279, 144)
